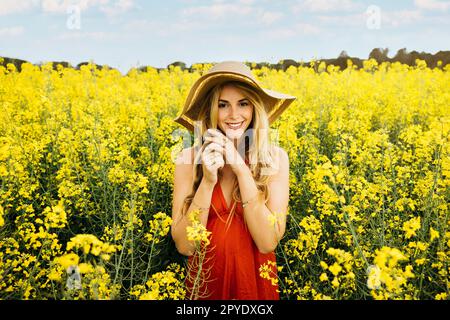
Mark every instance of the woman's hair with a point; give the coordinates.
(259, 153)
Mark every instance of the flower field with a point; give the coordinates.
(86, 168)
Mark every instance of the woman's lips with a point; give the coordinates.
(234, 126)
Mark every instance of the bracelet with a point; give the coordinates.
(201, 208)
(244, 204)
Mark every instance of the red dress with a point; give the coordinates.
(232, 260)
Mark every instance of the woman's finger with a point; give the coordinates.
(211, 155)
(214, 147)
(218, 164)
(213, 133)
(219, 160)
(219, 140)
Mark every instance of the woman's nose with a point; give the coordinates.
(233, 111)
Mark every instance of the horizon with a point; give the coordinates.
(133, 33)
(390, 55)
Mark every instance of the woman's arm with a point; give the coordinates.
(260, 217)
(182, 188)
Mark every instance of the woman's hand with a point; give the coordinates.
(230, 154)
(212, 160)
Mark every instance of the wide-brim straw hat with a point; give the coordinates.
(274, 102)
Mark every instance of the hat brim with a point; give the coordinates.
(274, 102)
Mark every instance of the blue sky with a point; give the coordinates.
(127, 33)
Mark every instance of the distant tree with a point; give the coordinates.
(62, 63)
(443, 56)
(379, 54)
(180, 64)
(97, 66)
(16, 62)
(343, 54)
(341, 60)
(403, 56)
(286, 63)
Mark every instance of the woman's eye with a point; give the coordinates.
(222, 105)
(244, 104)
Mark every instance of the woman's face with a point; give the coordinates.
(235, 112)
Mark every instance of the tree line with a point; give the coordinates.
(437, 60)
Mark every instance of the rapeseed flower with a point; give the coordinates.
(86, 161)
(197, 232)
(411, 226)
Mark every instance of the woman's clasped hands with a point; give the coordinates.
(218, 150)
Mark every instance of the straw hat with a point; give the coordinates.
(275, 102)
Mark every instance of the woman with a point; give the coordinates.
(236, 179)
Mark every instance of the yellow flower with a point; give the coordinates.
(55, 274)
(324, 265)
(387, 275)
(86, 268)
(197, 232)
(434, 234)
(335, 282)
(441, 296)
(411, 226)
(2, 220)
(163, 285)
(151, 295)
(421, 246)
(420, 261)
(90, 244)
(323, 277)
(267, 271)
(67, 260)
(159, 227)
(335, 269)
(56, 217)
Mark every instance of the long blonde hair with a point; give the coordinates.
(259, 154)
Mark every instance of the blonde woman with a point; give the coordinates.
(238, 182)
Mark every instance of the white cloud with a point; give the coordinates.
(109, 7)
(388, 18)
(246, 2)
(432, 4)
(352, 20)
(118, 7)
(60, 6)
(399, 18)
(299, 29)
(15, 6)
(249, 11)
(218, 10)
(76, 35)
(12, 31)
(269, 17)
(163, 29)
(326, 5)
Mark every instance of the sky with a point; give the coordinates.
(133, 33)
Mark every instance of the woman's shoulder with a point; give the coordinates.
(280, 155)
(280, 164)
